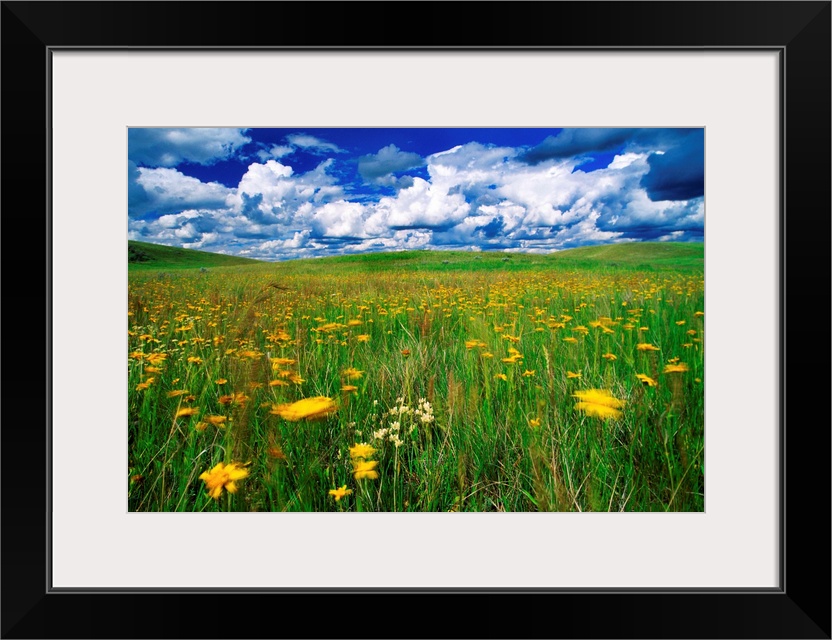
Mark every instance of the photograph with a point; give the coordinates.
(416, 319)
(421, 289)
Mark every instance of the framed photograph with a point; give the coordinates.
(443, 327)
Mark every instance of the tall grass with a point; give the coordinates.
(462, 378)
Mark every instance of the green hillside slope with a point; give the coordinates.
(144, 255)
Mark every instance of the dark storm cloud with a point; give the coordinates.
(574, 142)
(679, 173)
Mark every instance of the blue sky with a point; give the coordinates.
(277, 194)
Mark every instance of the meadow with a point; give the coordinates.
(418, 381)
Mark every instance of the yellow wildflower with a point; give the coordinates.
(646, 380)
(187, 411)
(676, 368)
(645, 346)
(365, 469)
(239, 398)
(609, 356)
(528, 373)
(362, 450)
(598, 403)
(315, 408)
(340, 492)
(364, 337)
(573, 374)
(352, 373)
(223, 476)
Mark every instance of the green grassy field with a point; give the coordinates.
(419, 381)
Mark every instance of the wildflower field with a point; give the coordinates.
(420, 381)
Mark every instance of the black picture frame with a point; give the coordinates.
(799, 608)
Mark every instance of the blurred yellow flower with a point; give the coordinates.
(340, 492)
(364, 337)
(598, 403)
(223, 476)
(573, 374)
(645, 346)
(239, 398)
(365, 469)
(362, 450)
(315, 408)
(676, 368)
(352, 373)
(609, 356)
(646, 380)
(187, 411)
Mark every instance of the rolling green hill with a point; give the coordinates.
(643, 256)
(144, 255)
